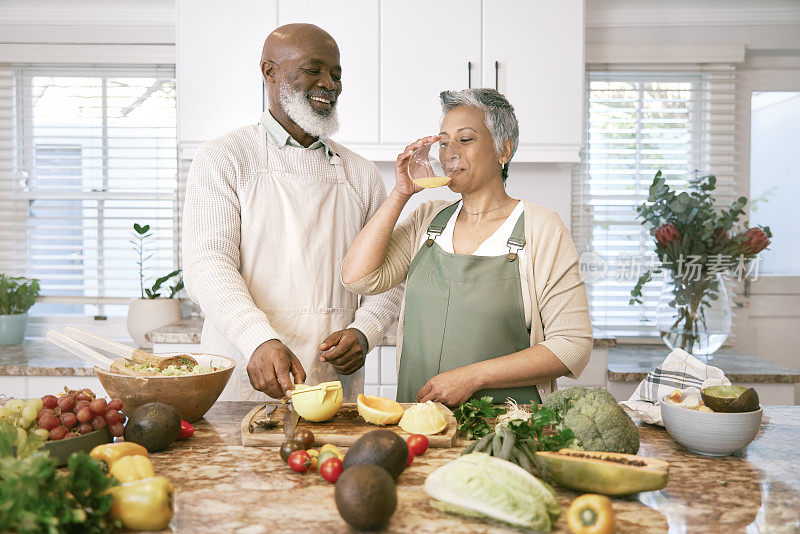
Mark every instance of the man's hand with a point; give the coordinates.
(346, 350)
(270, 368)
(451, 388)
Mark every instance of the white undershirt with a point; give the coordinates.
(495, 245)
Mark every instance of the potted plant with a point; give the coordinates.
(699, 246)
(17, 295)
(156, 305)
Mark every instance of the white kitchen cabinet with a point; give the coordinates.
(354, 25)
(425, 49)
(533, 53)
(218, 78)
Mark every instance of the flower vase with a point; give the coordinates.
(694, 315)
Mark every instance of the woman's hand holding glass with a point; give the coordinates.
(403, 184)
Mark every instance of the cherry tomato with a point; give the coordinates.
(187, 430)
(299, 461)
(410, 457)
(418, 444)
(304, 436)
(331, 469)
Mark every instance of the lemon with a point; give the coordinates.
(425, 418)
(317, 403)
(379, 411)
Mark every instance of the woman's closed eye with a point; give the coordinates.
(466, 139)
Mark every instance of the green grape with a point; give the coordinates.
(37, 404)
(15, 406)
(5, 415)
(42, 433)
(23, 423)
(29, 412)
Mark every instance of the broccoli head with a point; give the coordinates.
(598, 422)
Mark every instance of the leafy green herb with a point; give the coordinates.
(473, 415)
(544, 429)
(35, 497)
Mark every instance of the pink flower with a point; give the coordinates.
(666, 234)
(757, 240)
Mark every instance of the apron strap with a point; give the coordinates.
(336, 161)
(516, 241)
(440, 221)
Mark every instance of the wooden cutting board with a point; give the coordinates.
(342, 430)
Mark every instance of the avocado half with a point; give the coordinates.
(608, 473)
(730, 399)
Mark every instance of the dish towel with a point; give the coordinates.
(680, 371)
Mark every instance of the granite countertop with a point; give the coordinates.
(189, 330)
(631, 363)
(221, 486)
(42, 358)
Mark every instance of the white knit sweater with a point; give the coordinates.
(211, 231)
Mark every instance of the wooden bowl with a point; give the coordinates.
(190, 395)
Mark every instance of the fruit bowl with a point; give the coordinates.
(711, 433)
(191, 395)
(60, 450)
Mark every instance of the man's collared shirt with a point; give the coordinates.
(282, 138)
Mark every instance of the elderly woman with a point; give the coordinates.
(494, 302)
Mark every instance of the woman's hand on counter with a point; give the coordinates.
(451, 388)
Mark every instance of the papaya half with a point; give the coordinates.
(607, 473)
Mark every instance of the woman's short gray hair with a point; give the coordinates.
(497, 112)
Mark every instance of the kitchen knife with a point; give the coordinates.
(290, 421)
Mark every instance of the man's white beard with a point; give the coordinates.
(299, 109)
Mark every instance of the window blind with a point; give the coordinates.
(640, 120)
(86, 151)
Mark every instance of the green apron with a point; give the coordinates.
(462, 309)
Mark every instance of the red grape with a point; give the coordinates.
(89, 393)
(98, 406)
(81, 396)
(98, 422)
(115, 404)
(44, 411)
(85, 415)
(84, 428)
(69, 435)
(116, 429)
(50, 401)
(58, 433)
(48, 421)
(67, 403)
(113, 416)
(80, 405)
(69, 419)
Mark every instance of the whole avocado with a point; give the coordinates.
(379, 447)
(366, 496)
(154, 426)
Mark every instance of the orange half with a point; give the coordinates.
(378, 410)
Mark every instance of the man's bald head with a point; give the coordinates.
(302, 74)
(290, 39)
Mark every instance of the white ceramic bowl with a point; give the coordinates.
(711, 433)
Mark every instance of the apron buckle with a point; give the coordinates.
(511, 256)
(429, 242)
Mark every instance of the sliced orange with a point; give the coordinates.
(379, 411)
(433, 181)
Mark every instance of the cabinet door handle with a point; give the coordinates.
(469, 74)
(497, 76)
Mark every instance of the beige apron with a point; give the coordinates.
(295, 230)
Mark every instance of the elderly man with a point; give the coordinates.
(270, 211)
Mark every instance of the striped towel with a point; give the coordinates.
(680, 371)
